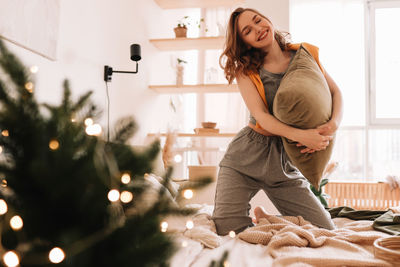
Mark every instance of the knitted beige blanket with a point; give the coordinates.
(292, 241)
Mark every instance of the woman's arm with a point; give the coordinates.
(311, 138)
(332, 125)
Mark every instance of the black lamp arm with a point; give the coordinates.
(108, 71)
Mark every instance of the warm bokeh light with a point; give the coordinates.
(94, 129)
(232, 234)
(1, 149)
(113, 195)
(11, 259)
(178, 158)
(16, 223)
(5, 133)
(189, 224)
(188, 193)
(29, 87)
(125, 178)
(34, 69)
(56, 255)
(54, 144)
(164, 227)
(3, 207)
(126, 197)
(3, 182)
(88, 122)
(184, 244)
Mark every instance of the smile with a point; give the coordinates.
(263, 35)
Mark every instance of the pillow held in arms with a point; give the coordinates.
(304, 101)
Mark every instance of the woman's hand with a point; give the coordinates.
(328, 128)
(313, 140)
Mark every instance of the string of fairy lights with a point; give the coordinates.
(57, 255)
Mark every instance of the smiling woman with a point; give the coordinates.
(258, 57)
(243, 47)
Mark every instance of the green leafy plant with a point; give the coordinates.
(63, 184)
(185, 22)
(319, 194)
(181, 61)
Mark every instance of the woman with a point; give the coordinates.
(255, 158)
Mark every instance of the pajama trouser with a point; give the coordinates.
(256, 162)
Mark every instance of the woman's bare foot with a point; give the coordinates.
(259, 212)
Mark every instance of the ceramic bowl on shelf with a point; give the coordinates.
(209, 124)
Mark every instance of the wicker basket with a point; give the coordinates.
(388, 248)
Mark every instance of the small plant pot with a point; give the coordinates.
(180, 32)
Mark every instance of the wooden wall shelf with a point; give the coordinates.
(182, 43)
(169, 4)
(198, 88)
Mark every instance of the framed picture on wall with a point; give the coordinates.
(31, 24)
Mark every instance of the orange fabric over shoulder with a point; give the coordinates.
(255, 77)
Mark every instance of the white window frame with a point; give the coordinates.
(370, 7)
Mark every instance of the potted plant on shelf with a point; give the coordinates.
(181, 28)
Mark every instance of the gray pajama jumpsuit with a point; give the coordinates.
(256, 162)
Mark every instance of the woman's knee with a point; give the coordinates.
(226, 225)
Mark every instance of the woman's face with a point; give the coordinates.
(255, 30)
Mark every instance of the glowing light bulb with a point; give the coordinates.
(3, 207)
(126, 197)
(16, 223)
(88, 122)
(29, 87)
(188, 193)
(178, 158)
(56, 255)
(113, 195)
(73, 119)
(34, 69)
(5, 133)
(164, 226)
(94, 129)
(3, 182)
(189, 224)
(54, 144)
(11, 259)
(125, 178)
(232, 234)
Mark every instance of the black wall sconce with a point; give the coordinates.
(135, 56)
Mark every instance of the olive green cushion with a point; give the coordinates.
(303, 100)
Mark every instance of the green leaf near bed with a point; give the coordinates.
(304, 101)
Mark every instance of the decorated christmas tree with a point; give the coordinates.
(67, 196)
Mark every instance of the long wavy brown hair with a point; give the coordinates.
(237, 57)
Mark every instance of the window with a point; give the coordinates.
(385, 62)
(356, 40)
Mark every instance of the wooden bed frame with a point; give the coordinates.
(373, 196)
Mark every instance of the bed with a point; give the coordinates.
(276, 241)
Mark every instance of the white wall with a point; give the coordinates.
(94, 33)
(276, 10)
